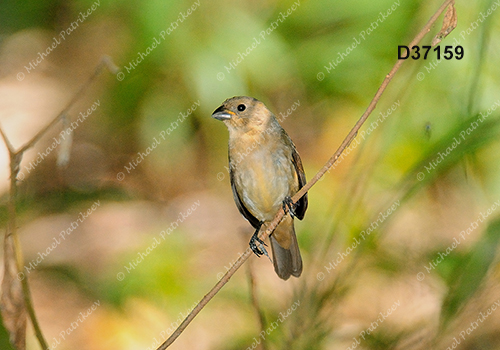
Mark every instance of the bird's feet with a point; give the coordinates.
(288, 204)
(258, 249)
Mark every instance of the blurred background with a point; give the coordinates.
(148, 161)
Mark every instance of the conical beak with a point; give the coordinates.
(222, 113)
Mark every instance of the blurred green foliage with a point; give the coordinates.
(4, 337)
(470, 271)
(193, 64)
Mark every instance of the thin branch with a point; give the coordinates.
(206, 299)
(15, 157)
(10, 148)
(370, 108)
(104, 62)
(29, 302)
(15, 161)
(255, 302)
(277, 219)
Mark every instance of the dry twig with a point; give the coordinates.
(16, 296)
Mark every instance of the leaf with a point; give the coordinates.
(467, 277)
(12, 301)
(449, 23)
(433, 165)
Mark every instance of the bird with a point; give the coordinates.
(265, 172)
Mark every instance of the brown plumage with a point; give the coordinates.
(265, 171)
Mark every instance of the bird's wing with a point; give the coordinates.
(301, 207)
(241, 207)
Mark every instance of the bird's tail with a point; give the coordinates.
(287, 261)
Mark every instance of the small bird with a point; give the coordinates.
(265, 171)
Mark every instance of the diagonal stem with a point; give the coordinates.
(265, 233)
(104, 62)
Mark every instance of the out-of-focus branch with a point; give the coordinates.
(16, 301)
(105, 62)
(12, 301)
(255, 302)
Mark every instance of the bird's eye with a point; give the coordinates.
(241, 107)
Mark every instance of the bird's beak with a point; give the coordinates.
(222, 113)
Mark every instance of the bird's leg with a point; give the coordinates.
(258, 250)
(288, 204)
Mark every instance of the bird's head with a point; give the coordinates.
(243, 114)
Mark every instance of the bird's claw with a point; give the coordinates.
(288, 204)
(258, 249)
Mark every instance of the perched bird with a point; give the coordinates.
(265, 171)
